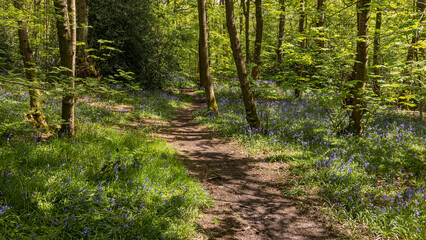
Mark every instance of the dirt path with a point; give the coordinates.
(247, 191)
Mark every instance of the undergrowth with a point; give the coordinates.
(111, 181)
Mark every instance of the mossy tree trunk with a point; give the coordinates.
(357, 102)
(67, 37)
(203, 52)
(35, 116)
(250, 107)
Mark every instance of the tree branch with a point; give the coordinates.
(23, 84)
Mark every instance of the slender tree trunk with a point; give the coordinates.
(302, 43)
(67, 37)
(84, 69)
(412, 51)
(242, 23)
(376, 52)
(250, 107)
(421, 6)
(360, 67)
(302, 23)
(246, 10)
(258, 41)
(47, 31)
(281, 29)
(35, 116)
(320, 41)
(205, 78)
(321, 21)
(82, 27)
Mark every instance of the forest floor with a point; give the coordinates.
(247, 191)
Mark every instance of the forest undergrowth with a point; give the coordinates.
(113, 180)
(375, 181)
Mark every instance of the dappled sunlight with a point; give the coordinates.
(375, 178)
(112, 180)
(247, 190)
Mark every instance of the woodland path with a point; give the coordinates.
(249, 203)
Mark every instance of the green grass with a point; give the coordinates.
(157, 105)
(112, 181)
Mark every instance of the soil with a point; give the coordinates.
(247, 191)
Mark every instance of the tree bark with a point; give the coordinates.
(205, 78)
(258, 41)
(67, 37)
(281, 30)
(321, 21)
(250, 107)
(246, 11)
(412, 51)
(360, 68)
(35, 116)
(421, 6)
(83, 69)
(302, 23)
(302, 43)
(376, 52)
(242, 22)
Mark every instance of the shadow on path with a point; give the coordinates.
(249, 200)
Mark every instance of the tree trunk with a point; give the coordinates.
(302, 23)
(35, 116)
(205, 78)
(302, 44)
(412, 51)
(67, 37)
(360, 68)
(421, 6)
(258, 41)
(83, 28)
(376, 52)
(281, 29)
(242, 22)
(83, 69)
(321, 21)
(246, 11)
(250, 107)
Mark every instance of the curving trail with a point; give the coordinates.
(249, 203)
